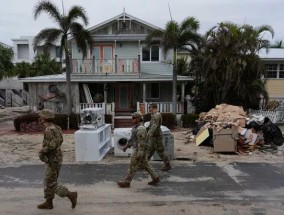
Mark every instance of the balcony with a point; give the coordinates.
(103, 66)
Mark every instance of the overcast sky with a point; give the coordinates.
(16, 16)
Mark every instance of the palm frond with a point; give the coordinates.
(77, 12)
(47, 35)
(49, 8)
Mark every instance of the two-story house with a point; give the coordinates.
(274, 66)
(120, 73)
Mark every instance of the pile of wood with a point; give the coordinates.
(223, 116)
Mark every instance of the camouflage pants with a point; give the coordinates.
(143, 164)
(156, 144)
(51, 186)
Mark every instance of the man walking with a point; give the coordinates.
(139, 156)
(155, 137)
(51, 154)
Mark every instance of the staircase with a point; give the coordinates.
(87, 93)
(123, 121)
(13, 98)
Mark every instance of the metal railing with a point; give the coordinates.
(163, 107)
(99, 66)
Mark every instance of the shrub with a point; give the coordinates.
(188, 120)
(169, 119)
(60, 120)
(27, 118)
(108, 118)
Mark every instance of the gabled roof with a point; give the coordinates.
(120, 17)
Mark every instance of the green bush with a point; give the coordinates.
(188, 120)
(108, 118)
(168, 119)
(60, 120)
(27, 118)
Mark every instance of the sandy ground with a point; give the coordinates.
(21, 149)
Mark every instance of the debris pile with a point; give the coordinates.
(229, 128)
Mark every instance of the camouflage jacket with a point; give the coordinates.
(154, 128)
(138, 138)
(51, 145)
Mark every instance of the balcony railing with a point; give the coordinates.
(101, 66)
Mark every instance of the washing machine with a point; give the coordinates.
(121, 136)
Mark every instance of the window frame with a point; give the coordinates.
(150, 50)
(278, 71)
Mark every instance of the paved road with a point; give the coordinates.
(236, 188)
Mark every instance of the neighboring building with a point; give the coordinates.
(120, 72)
(24, 50)
(274, 65)
(11, 90)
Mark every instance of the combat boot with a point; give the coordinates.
(46, 205)
(123, 184)
(167, 166)
(73, 198)
(154, 181)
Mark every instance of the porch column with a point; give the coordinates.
(182, 91)
(105, 93)
(144, 92)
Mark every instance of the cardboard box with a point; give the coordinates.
(226, 139)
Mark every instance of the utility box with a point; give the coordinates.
(225, 140)
(168, 142)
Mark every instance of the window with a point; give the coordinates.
(281, 71)
(154, 90)
(274, 70)
(57, 51)
(150, 54)
(271, 71)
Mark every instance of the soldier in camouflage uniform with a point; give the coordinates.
(139, 156)
(51, 154)
(155, 137)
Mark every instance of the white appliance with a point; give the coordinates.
(121, 136)
(92, 118)
(93, 144)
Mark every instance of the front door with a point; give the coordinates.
(123, 97)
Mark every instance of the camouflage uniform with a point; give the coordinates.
(155, 138)
(137, 142)
(51, 155)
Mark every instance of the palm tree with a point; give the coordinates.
(277, 44)
(176, 36)
(67, 27)
(44, 65)
(228, 67)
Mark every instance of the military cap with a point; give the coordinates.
(46, 114)
(153, 104)
(137, 115)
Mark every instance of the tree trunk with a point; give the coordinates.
(68, 84)
(174, 89)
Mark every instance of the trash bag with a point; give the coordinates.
(272, 133)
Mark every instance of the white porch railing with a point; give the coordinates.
(274, 116)
(163, 107)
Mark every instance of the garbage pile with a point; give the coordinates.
(229, 128)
